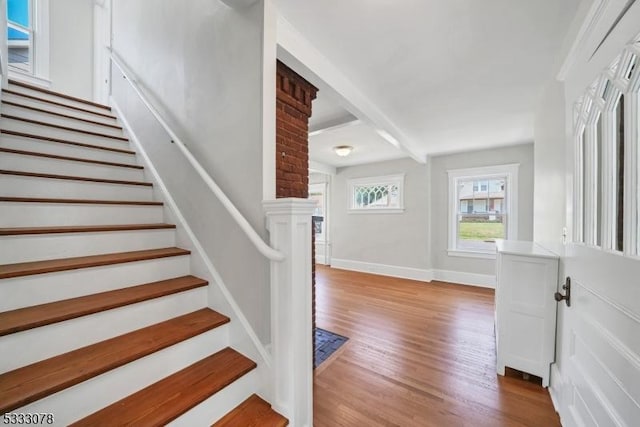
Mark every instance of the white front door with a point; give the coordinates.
(101, 44)
(596, 378)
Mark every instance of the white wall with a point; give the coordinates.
(71, 47)
(201, 65)
(522, 154)
(400, 240)
(549, 163)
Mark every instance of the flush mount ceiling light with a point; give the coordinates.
(343, 150)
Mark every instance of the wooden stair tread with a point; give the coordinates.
(59, 104)
(79, 201)
(16, 231)
(74, 178)
(64, 264)
(60, 94)
(65, 141)
(253, 412)
(53, 125)
(164, 401)
(73, 159)
(33, 382)
(55, 113)
(26, 318)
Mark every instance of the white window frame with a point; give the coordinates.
(323, 188)
(586, 108)
(39, 46)
(510, 173)
(397, 179)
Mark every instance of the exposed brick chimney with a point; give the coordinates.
(293, 109)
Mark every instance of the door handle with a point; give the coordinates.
(567, 287)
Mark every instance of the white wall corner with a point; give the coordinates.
(269, 71)
(423, 275)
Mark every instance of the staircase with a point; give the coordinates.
(101, 322)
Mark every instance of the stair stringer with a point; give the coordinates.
(242, 336)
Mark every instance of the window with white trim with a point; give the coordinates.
(379, 194)
(482, 208)
(606, 125)
(28, 39)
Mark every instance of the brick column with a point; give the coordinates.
(293, 108)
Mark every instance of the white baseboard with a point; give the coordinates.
(320, 259)
(464, 278)
(383, 269)
(424, 275)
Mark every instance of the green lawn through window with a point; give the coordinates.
(481, 230)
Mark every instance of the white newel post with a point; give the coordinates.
(289, 225)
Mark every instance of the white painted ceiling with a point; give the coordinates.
(452, 75)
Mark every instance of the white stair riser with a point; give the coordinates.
(83, 331)
(51, 107)
(59, 120)
(25, 186)
(68, 135)
(56, 98)
(85, 398)
(48, 214)
(19, 292)
(20, 162)
(49, 147)
(218, 405)
(37, 247)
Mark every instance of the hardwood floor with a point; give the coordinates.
(419, 354)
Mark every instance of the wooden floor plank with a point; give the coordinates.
(419, 354)
(33, 382)
(45, 314)
(169, 398)
(64, 264)
(253, 412)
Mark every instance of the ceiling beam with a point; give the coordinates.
(298, 53)
(321, 167)
(239, 4)
(333, 124)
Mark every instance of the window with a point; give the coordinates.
(381, 194)
(607, 189)
(20, 34)
(482, 208)
(28, 39)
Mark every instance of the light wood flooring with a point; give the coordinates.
(419, 354)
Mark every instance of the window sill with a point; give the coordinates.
(471, 254)
(376, 211)
(29, 78)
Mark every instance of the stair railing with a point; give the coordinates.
(289, 225)
(266, 250)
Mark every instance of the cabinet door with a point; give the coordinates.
(527, 313)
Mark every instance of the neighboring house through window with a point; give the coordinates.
(482, 208)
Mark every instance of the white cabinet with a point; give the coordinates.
(526, 280)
